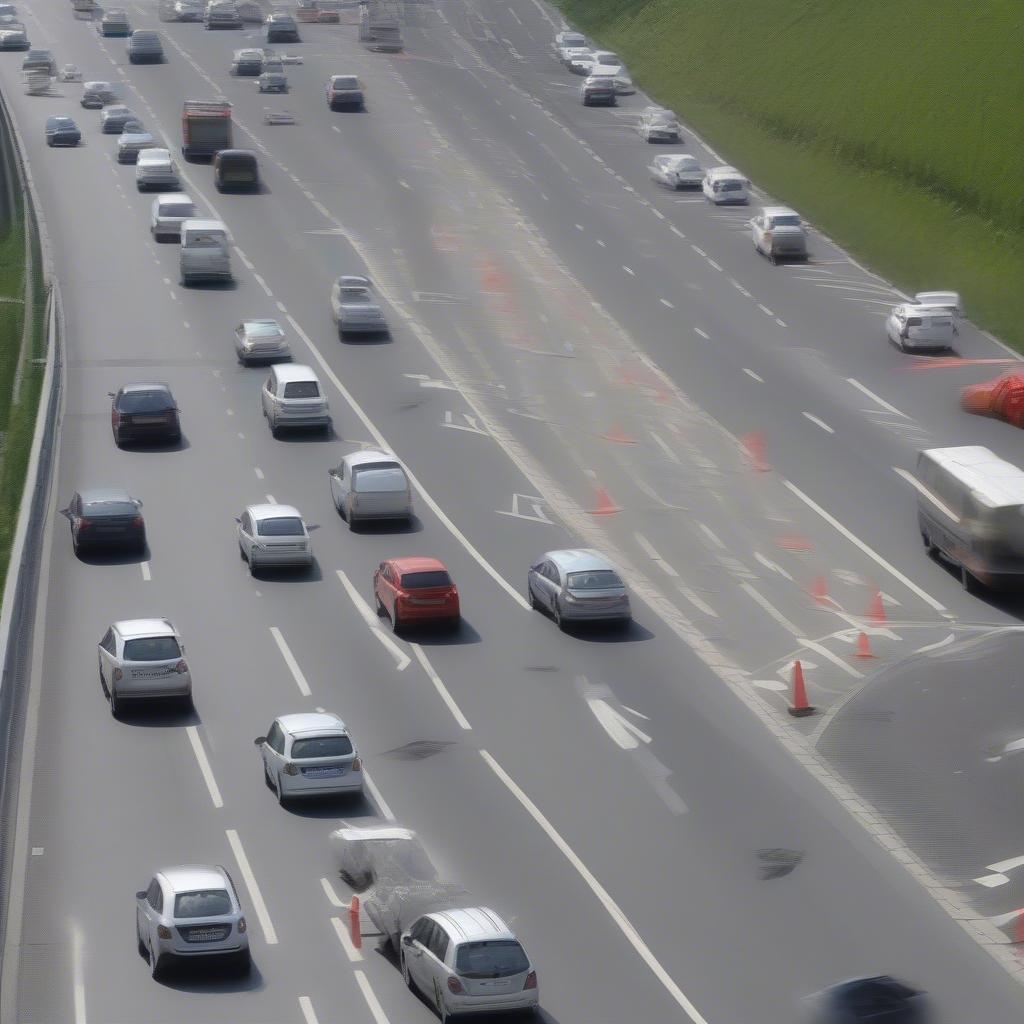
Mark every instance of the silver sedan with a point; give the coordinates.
(260, 340)
(577, 585)
(273, 535)
(354, 307)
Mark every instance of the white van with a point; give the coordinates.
(156, 168)
(370, 485)
(293, 397)
(725, 185)
(970, 509)
(204, 251)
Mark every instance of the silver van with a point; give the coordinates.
(371, 485)
(293, 397)
(970, 509)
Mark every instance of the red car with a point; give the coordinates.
(1002, 398)
(415, 590)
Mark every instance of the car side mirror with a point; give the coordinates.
(237, 519)
(141, 894)
(406, 939)
(110, 394)
(260, 740)
(138, 502)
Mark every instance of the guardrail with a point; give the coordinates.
(18, 607)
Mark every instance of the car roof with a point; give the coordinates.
(725, 169)
(375, 832)
(779, 211)
(361, 458)
(232, 154)
(311, 721)
(916, 309)
(174, 197)
(189, 877)
(579, 560)
(117, 108)
(938, 298)
(267, 511)
(145, 385)
(334, 78)
(473, 924)
(288, 372)
(1000, 483)
(198, 224)
(679, 158)
(131, 628)
(91, 494)
(155, 155)
(418, 563)
(249, 50)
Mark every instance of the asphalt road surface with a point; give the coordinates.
(574, 355)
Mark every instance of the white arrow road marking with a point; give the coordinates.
(623, 731)
(539, 516)
(934, 647)
(471, 425)
(999, 877)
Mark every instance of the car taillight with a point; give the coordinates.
(84, 524)
(242, 926)
(454, 985)
(115, 417)
(164, 932)
(357, 765)
(452, 595)
(181, 668)
(291, 769)
(767, 236)
(531, 981)
(117, 675)
(137, 521)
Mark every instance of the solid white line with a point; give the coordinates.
(874, 398)
(826, 653)
(308, 1013)
(379, 1016)
(341, 930)
(654, 556)
(413, 479)
(258, 472)
(613, 909)
(401, 658)
(289, 660)
(146, 574)
(404, 184)
(665, 302)
(750, 373)
(869, 551)
(204, 765)
(660, 442)
(765, 310)
(332, 896)
(712, 536)
(819, 423)
(262, 284)
(934, 647)
(254, 890)
(712, 263)
(440, 687)
(676, 231)
(628, 271)
(377, 796)
(700, 605)
(770, 609)
(77, 973)
(704, 335)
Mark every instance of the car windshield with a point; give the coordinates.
(152, 648)
(110, 508)
(280, 526)
(684, 163)
(184, 210)
(345, 82)
(423, 580)
(786, 220)
(497, 958)
(321, 746)
(377, 479)
(571, 40)
(594, 579)
(144, 401)
(202, 903)
(302, 389)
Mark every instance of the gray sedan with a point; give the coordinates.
(113, 119)
(355, 309)
(577, 585)
(62, 131)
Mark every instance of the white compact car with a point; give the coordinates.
(193, 913)
(310, 754)
(260, 340)
(920, 328)
(273, 536)
(725, 185)
(779, 234)
(155, 168)
(468, 961)
(143, 659)
(370, 485)
(677, 170)
(167, 214)
(292, 397)
(657, 124)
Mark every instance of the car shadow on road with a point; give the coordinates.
(114, 557)
(331, 808)
(289, 574)
(608, 633)
(156, 447)
(433, 635)
(384, 527)
(158, 714)
(384, 337)
(307, 435)
(211, 978)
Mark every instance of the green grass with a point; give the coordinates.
(896, 127)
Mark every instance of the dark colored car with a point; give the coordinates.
(107, 518)
(881, 1000)
(236, 170)
(62, 131)
(144, 412)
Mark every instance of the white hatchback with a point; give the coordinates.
(143, 659)
(167, 214)
(273, 536)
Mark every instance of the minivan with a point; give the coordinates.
(236, 170)
(204, 252)
(293, 397)
(725, 185)
(970, 509)
(115, 23)
(371, 485)
(145, 48)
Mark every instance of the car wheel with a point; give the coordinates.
(266, 776)
(556, 614)
(442, 1010)
(143, 952)
(241, 551)
(407, 976)
(381, 610)
(534, 603)
(156, 965)
(928, 545)
(970, 583)
(773, 259)
(243, 963)
(103, 684)
(281, 798)
(115, 704)
(396, 625)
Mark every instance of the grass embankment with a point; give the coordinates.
(895, 127)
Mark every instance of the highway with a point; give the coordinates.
(574, 356)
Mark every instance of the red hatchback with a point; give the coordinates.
(415, 590)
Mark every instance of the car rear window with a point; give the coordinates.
(280, 526)
(177, 210)
(302, 389)
(573, 41)
(321, 746)
(379, 479)
(790, 220)
(202, 903)
(594, 579)
(110, 508)
(345, 82)
(497, 958)
(608, 58)
(144, 401)
(152, 648)
(422, 580)
(204, 240)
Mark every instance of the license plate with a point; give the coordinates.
(207, 934)
(142, 420)
(427, 600)
(322, 773)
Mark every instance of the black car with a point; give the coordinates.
(881, 1000)
(106, 518)
(144, 412)
(236, 170)
(62, 131)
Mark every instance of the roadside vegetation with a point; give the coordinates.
(894, 127)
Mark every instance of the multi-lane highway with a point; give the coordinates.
(574, 355)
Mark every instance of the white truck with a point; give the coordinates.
(205, 253)
(380, 26)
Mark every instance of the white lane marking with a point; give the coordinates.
(613, 909)
(874, 398)
(579, 227)
(743, 291)
(763, 601)
(695, 600)
(341, 930)
(628, 271)
(402, 660)
(262, 284)
(514, 15)
(621, 730)
(774, 566)
(661, 443)
(676, 231)
(440, 687)
(600, 243)
(421, 490)
(255, 896)
(921, 489)
(333, 898)
(77, 973)
(819, 423)
(245, 259)
(654, 556)
(378, 797)
(781, 323)
(258, 472)
(765, 310)
(826, 653)
(750, 373)
(699, 251)
(308, 1013)
(281, 306)
(146, 574)
(37, 851)
(703, 334)
(665, 302)
(289, 660)
(712, 263)
(934, 647)
(204, 765)
(379, 1016)
(1000, 869)
(271, 500)
(405, 184)
(711, 536)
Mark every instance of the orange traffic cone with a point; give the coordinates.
(1018, 928)
(754, 445)
(819, 590)
(605, 505)
(799, 708)
(863, 647)
(876, 612)
(618, 435)
(355, 930)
